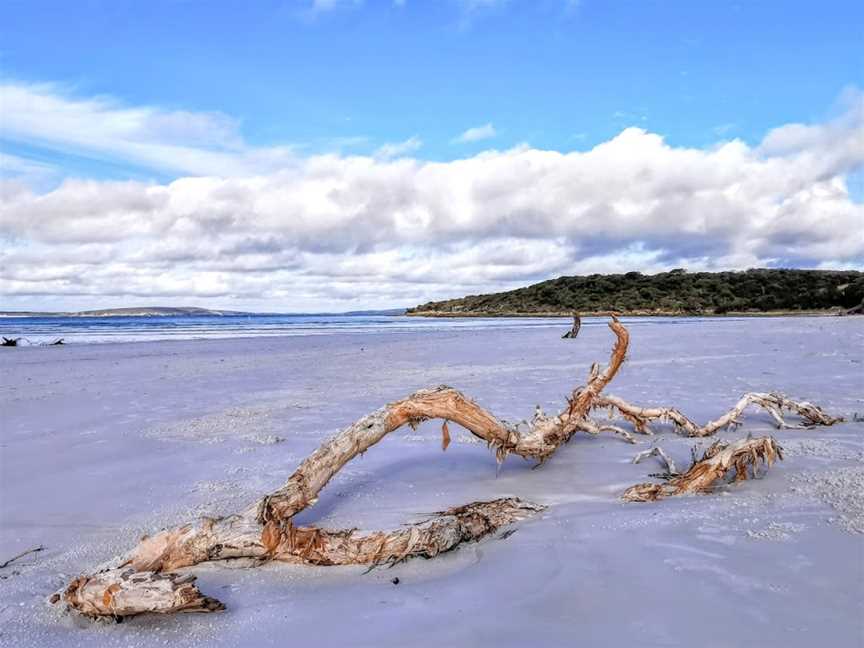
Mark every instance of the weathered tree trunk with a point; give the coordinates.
(742, 456)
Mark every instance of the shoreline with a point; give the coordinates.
(636, 313)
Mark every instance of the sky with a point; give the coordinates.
(333, 155)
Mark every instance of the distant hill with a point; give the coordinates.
(669, 293)
(163, 311)
(147, 311)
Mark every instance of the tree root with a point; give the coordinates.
(742, 456)
(772, 403)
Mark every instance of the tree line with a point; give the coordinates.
(673, 292)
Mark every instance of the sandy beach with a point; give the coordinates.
(101, 444)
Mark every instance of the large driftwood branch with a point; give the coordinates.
(542, 438)
(143, 580)
(772, 403)
(742, 456)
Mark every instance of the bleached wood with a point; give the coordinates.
(657, 451)
(742, 456)
(142, 580)
(773, 403)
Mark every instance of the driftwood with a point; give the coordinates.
(145, 579)
(14, 342)
(742, 457)
(855, 310)
(772, 403)
(574, 330)
(142, 580)
(21, 555)
(657, 451)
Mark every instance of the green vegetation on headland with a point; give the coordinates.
(758, 291)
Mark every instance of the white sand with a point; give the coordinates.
(103, 443)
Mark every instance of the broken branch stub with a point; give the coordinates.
(742, 456)
(125, 592)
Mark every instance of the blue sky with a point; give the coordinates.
(156, 92)
(551, 73)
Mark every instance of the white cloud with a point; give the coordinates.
(333, 232)
(398, 149)
(193, 143)
(323, 6)
(476, 134)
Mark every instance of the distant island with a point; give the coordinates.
(678, 292)
(191, 311)
(146, 311)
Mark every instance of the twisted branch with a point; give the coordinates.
(773, 403)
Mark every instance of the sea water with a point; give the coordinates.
(44, 330)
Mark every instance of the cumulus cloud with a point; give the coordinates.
(334, 232)
(476, 134)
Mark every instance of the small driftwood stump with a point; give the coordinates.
(145, 580)
(574, 331)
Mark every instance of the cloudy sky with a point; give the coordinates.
(331, 155)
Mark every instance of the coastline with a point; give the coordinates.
(635, 313)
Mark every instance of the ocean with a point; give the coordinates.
(76, 330)
(91, 330)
